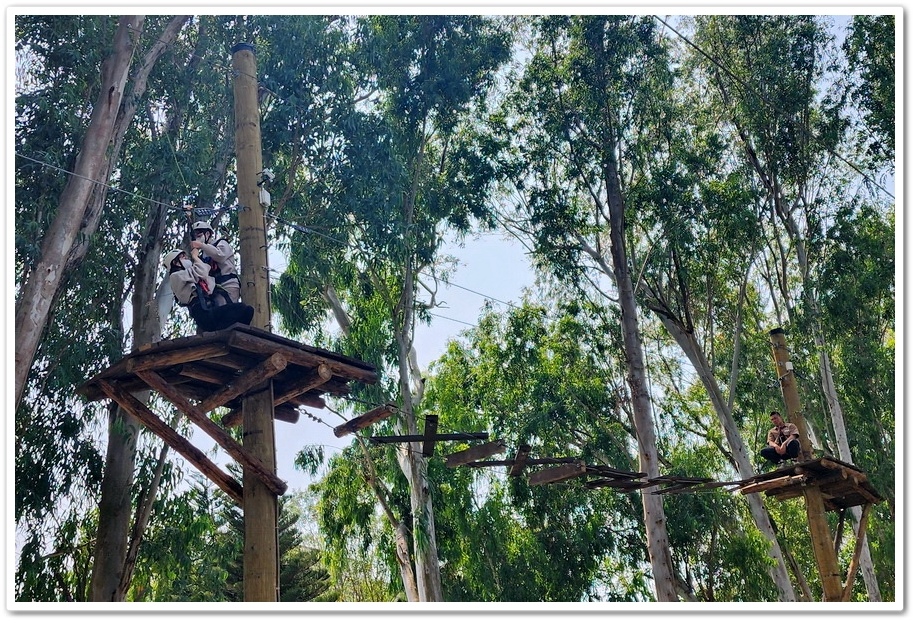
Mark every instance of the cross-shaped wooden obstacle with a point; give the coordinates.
(429, 436)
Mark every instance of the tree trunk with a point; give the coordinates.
(653, 509)
(125, 117)
(41, 285)
(866, 565)
(419, 574)
(413, 465)
(115, 504)
(691, 348)
(144, 511)
(402, 550)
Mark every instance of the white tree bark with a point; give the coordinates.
(691, 348)
(111, 569)
(41, 285)
(653, 508)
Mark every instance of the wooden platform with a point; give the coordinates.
(842, 485)
(200, 366)
(204, 372)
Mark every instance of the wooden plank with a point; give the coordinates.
(475, 453)
(175, 441)
(775, 483)
(557, 474)
(243, 341)
(260, 373)
(204, 373)
(315, 378)
(281, 414)
(366, 419)
(152, 361)
(230, 445)
(520, 461)
(610, 472)
(615, 483)
(443, 437)
(429, 434)
(232, 361)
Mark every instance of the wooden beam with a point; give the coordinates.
(316, 378)
(230, 445)
(443, 437)
(521, 458)
(175, 441)
(165, 359)
(366, 419)
(281, 414)
(557, 474)
(774, 483)
(260, 373)
(247, 342)
(308, 400)
(207, 374)
(617, 483)
(527, 463)
(429, 434)
(475, 453)
(232, 361)
(857, 553)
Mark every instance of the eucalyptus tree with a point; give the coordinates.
(40, 282)
(52, 111)
(46, 42)
(169, 133)
(545, 376)
(870, 48)
(592, 84)
(696, 215)
(109, 573)
(395, 164)
(789, 127)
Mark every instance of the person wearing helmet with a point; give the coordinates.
(193, 288)
(220, 255)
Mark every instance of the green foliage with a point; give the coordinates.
(532, 376)
(870, 49)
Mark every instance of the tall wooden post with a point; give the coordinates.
(827, 563)
(261, 557)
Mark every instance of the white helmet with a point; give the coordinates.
(202, 225)
(170, 257)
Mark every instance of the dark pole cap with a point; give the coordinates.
(777, 330)
(238, 47)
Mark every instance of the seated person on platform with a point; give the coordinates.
(782, 440)
(195, 289)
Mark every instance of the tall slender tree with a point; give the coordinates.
(39, 284)
(406, 171)
(590, 86)
(791, 146)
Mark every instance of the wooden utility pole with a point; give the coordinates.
(261, 557)
(827, 563)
